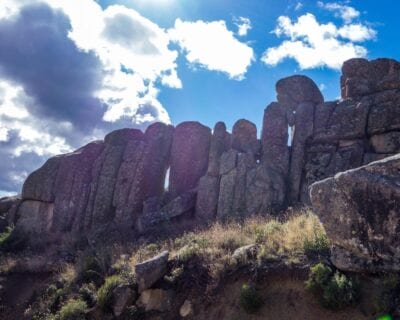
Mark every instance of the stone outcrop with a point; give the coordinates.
(121, 181)
(189, 157)
(150, 271)
(360, 210)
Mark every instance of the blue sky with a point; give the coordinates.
(73, 70)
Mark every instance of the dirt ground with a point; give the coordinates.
(285, 298)
(16, 292)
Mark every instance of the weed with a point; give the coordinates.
(250, 300)
(105, 293)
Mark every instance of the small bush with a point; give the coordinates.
(105, 293)
(88, 294)
(91, 271)
(334, 289)
(250, 300)
(12, 240)
(74, 309)
(317, 245)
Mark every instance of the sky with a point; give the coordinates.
(73, 70)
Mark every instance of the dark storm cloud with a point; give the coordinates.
(13, 170)
(35, 51)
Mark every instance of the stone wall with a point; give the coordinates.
(218, 174)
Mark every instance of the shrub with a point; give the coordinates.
(88, 294)
(105, 293)
(317, 245)
(250, 300)
(91, 271)
(334, 289)
(74, 309)
(12, 240)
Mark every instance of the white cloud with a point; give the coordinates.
(357, 32)
(298, 6)
(313, 44)
(345, 12)
(212, 46)
(244, 25)
(122, 37)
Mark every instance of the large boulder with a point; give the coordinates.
(360, 210)
(361, 77)
(244, 136)
(156, 300)
(189, 157)
(7, 203)
(150, 271)
(294, 90)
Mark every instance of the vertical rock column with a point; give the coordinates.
(235, 165)
(121, 148)
(266, 184)
(189, 157)
(299, 95)
(142, 174)
(208, 190)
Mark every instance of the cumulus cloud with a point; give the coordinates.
(71, 71)
(212, 46)
(244, 25)
(68, 75)
(313, 44)
(347, 13)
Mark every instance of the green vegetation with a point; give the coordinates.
(12, 240)
(105, 293)
(250, 300)
(74, 309)
(334, 289)
(88, 294)
(387, 297)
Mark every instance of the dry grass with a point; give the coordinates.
(215, 245)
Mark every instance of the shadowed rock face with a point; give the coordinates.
(189, 157)
(121, 181)
(360, 210)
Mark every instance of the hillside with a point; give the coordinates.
(189, 222)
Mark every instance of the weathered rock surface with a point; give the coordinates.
(297, 89)
(186, 309)
(123, 297)
(150, 271)
(119, 183)
(360, 210)
(244, 137)
(156, 300)
(220, 142)
(362, 77)
(35, 216)
(189, 157)
(7, 203)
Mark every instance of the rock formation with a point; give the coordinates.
(360, 210)
(217, 174)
